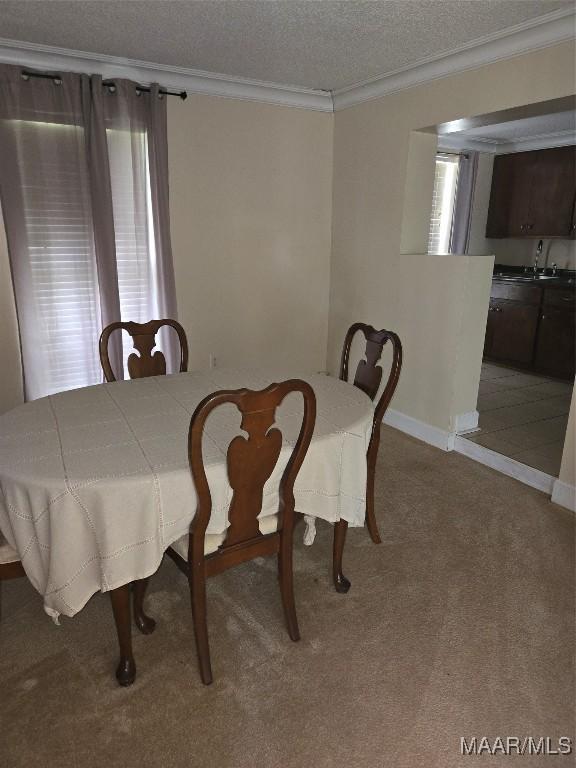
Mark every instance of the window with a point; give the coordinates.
(134, 231)
(62, 282)
(63, 279)
(84, 189)
(444, 194)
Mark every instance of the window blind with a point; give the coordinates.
(63, 277)
(443, 196)
(84, 193)
(57, 221)
(133, 226)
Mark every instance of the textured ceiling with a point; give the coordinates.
(327, 44)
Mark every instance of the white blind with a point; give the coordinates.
(443, 196)
(64, 283)
(133, 225)
(63, 279)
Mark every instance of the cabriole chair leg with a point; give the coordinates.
(341, 583)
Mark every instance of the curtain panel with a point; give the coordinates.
(462, 214)
(84, 192)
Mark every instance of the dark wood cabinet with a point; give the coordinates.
(556, 339)
(533, 194)
(511, 330)
(504, 177)
(532, 327)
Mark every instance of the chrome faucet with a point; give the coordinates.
(554, 268)
(538, 254)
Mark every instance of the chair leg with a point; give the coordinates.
(145, 623)
(197, 581)
(126, 670)
(370, 516)
(286, 576)
(341, 583)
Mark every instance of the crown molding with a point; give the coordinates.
(503, 146)
(532, 35)
(49, 57)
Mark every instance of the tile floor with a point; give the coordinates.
(523, 416)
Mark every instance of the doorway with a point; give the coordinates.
(527, 374)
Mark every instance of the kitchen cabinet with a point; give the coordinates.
(533, 194)
(532, 327)
(511, 330)
(556, 339)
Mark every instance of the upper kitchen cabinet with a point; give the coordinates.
(533, 194)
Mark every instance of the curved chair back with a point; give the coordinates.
(147, 363)
(368, 378)
(250, 460)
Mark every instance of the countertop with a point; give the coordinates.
(564, 278)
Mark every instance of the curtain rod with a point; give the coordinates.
(143, 88)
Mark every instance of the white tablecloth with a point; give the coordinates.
(96, 485)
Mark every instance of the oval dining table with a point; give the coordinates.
(95, 483)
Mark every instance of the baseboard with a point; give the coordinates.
(435, 436)
(564, 494)
(527, 475)
(466, 422)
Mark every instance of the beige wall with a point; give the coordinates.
(568, 467)
(445, 344)
(375, 155)
(418, 192)
(250, 203)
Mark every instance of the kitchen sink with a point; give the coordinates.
(526, 278)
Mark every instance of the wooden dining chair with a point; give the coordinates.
(250, 462)
(10, 565)
(368, 378)
(147, 363)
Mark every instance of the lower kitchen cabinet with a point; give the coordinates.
(532, 327)
(510, 331)
(556, 339)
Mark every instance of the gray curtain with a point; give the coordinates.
(84, 191)
(102, 211)
(462, 215)
(136, 131)
(158, 165)
(46, 200)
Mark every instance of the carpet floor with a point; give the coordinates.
(460, 624)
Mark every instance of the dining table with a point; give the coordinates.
(95, 482)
